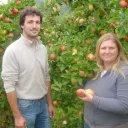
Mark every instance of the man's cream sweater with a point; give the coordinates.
(25, 69)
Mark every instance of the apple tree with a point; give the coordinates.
(70, 31)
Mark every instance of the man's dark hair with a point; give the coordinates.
(29, 11)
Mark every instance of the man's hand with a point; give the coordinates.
(51, 111)
(20, 122)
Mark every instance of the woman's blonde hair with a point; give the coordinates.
(120, 57)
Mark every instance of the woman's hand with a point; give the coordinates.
(87, 97)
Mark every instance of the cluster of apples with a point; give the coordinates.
(57, 103)
(14, 11)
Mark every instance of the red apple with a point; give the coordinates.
(63, 48)
(80, 92)
(112, 25)
(80, 112)
(18, 2)
(81, 73)
(103, 32)
(7, 19)
(15, 11)
(90, 6)
(81, 21)
(90, 56)
(123, 3)
(11, 12)
(117, 22)
(126, 38)
(55, 103)
(10, 35)
(52, 56)
(65, 122)
(88, 41)
(89, 75)
(65, 1)
(1, 50)
(59, 102)
(49, 44)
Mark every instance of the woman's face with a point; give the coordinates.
(108, 52)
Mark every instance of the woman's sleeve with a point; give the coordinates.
(119, 104)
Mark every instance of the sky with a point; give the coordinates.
(3, 1)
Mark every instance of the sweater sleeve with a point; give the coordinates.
(119, 104)
(9, 70)
(47, 76)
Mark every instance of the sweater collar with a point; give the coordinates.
(31, 42)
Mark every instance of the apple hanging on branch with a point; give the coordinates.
(90, 57)
(52, 56)
(63, 48)
(123, 3)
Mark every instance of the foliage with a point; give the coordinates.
(70, 31)
(76, 26)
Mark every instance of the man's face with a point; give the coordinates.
(31, 26)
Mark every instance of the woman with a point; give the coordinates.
(108, 108)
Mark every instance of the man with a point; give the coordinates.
(25, 75)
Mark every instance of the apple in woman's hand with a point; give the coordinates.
(89, 91)
(80, 92)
